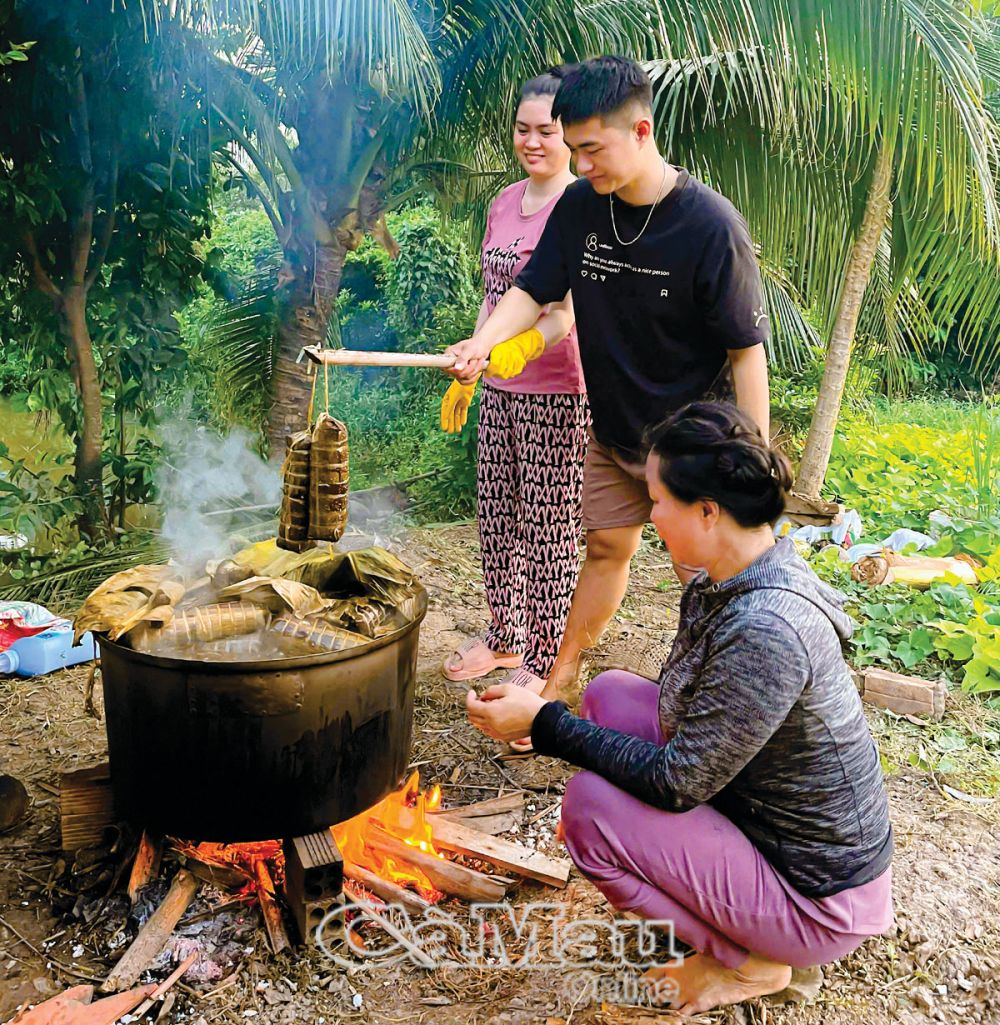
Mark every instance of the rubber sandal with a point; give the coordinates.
(524, 678)
(475, 659)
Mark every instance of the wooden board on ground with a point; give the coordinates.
(453, 835)
(496, 815)
(806, 511)
(86, 806)
(905, 695)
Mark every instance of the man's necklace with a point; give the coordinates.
(649, 216)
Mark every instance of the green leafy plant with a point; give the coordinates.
(975, 645)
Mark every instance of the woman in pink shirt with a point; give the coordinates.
(532, 430)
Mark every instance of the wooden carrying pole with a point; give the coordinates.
(359, 358)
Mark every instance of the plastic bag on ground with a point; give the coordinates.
(20, 619)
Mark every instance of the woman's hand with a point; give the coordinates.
(504, 712)
(470, 353)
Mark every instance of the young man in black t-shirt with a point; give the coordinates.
(669, 309)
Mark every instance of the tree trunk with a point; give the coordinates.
(816, 457)
(305, 319)
(89, 442)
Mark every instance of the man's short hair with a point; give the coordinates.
(599, 87)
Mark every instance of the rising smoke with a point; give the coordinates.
(209, 487)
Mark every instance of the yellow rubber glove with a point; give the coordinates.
(509, 358)
(455, 406)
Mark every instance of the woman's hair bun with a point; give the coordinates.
(713, 450)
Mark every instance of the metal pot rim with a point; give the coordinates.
(268, 664)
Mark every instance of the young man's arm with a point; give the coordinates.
(729, 287)
(544, 280)
(516, 312)
(554, 324)
(750, 379)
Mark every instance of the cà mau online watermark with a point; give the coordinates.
(497, 936)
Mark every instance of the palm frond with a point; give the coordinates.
(377, 44)
(63, 590)
(242, 341)
(792, 336)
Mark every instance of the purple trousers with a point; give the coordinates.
(696, 868)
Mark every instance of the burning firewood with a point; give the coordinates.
(328, 479)
(448, 876)
(385, 889)
(293, 520)
(154, 934)
(146, 866)
(269, 908)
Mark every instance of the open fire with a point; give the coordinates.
(403, 814)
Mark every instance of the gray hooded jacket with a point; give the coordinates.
(764, 723)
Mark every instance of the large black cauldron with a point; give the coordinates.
(240, 751)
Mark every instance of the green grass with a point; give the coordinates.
(940, 413)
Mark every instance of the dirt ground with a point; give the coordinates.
(941, 964)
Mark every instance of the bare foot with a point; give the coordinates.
(702, 983)
(564, 682)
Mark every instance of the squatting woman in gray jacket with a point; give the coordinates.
(741, 797)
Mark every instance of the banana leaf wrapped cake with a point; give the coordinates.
(293, 520)
(328, 479)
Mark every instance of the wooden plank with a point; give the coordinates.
(496, 815)
(493, 806)
(269, 907)
(895, 690)
(803, 510)
(513, 857)
(909, 688)
(86, 806)
(901, 706)
(493, 824)
(448, 876)
(146, 866)
(154, 934)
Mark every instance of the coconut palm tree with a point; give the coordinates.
(868, 175)
(325, 100)
(856, 138)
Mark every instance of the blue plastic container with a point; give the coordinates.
(46, 652)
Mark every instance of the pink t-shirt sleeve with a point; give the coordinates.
(509, 241)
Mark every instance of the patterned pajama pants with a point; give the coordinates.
(530, 475)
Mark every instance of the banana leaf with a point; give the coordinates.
(278, 595)
(369, 572)
(139, 594)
